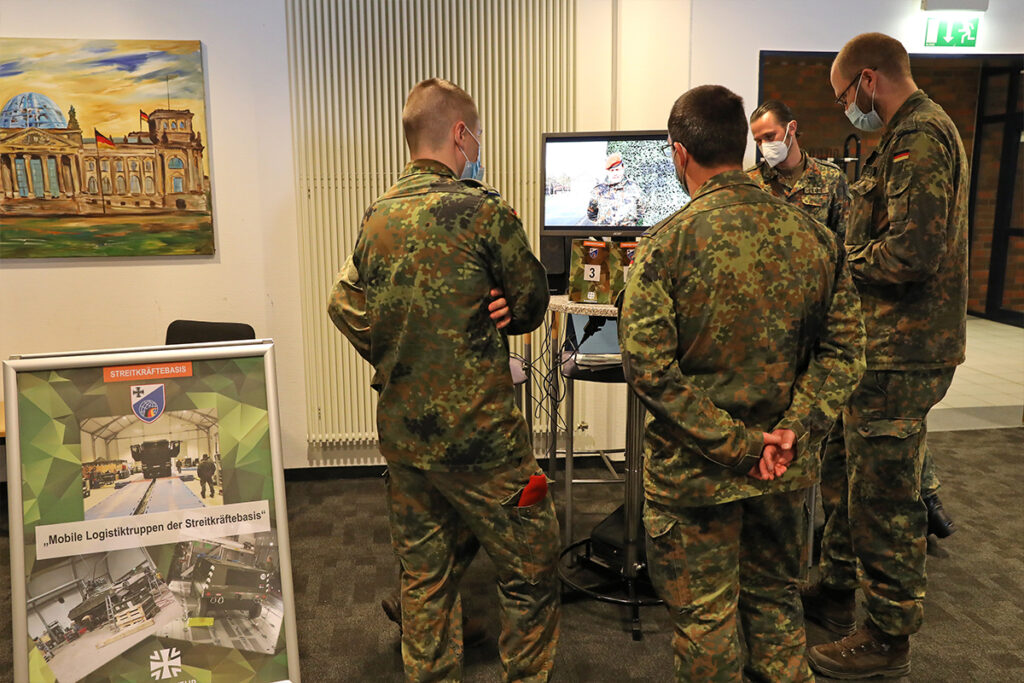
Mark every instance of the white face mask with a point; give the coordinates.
(776, 151)
(866, 122)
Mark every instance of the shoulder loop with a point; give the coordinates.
(479, 185)
(829, 164)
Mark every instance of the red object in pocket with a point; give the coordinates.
(534, 491)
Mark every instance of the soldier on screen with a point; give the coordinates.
(618, 200)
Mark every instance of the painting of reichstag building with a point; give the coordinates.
(102, 149)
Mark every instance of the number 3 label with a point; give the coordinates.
(592, 273)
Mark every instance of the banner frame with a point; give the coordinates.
(138, 356)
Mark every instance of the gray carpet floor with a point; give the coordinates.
(343, 566)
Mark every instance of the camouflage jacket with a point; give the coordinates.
(619, 204)
(906, 241)
(738, 318)
(413, 298)
(821, 190)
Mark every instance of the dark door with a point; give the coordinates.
(997, 207)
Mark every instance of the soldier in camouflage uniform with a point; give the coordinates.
(906, 244)
(618, 200)
(742, 334)
(816, 185)
(414, 299)
(820, 188)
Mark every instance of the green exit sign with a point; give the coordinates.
(951, 32)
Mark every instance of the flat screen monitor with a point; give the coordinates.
(607, 184)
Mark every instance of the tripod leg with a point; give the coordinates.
(635, 609)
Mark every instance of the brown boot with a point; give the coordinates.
(834, 609)
(868, 653)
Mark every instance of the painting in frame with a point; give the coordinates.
(103, 149)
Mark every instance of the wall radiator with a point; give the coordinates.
(352, 63)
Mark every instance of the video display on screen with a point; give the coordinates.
(608, 184)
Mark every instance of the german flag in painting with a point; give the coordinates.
(102, 139)
(900, 156)
(143, 115)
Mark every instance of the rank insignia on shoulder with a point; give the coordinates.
(900, 156)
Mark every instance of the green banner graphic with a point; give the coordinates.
(105, 447)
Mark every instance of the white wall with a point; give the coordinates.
(728, 35)
(74, 304)
(652, 60)
(648, 55)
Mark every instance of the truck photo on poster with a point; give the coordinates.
(149, 534)
(103, 149)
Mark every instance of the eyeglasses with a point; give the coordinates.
(841, 100)
(667, 149)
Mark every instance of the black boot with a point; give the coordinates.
(939, 523)
(393, 610)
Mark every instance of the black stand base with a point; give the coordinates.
(637, 588)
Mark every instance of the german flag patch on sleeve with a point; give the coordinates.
(900, 156)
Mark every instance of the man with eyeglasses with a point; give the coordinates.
(741, 333)
(441, 271)
(906, 243)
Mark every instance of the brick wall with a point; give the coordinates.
(802, 83)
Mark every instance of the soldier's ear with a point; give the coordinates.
(681, 155)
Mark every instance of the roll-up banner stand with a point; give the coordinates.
(149, 537)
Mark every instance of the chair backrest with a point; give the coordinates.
(197, 331)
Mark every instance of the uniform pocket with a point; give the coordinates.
(814, 200)
(535, 531)
(860, 224)
(896, 428)
(667, 565)
(897, 191)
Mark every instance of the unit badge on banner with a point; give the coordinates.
(148, 401)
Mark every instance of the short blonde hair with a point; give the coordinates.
(432, 108)
(875, 51)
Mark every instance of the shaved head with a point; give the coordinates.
(873, 51)
(432, 108)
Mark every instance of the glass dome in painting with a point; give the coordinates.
(31, 110)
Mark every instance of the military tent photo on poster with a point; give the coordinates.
(149, 534)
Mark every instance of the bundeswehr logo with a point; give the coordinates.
(166, 663)
(148, 401)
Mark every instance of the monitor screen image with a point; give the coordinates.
(607, 184)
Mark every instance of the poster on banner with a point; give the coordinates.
(149, 533)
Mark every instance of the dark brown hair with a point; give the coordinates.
(709, 122)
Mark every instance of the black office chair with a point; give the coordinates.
(198, 331)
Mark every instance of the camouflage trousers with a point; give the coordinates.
(438, 520)
(709, 562)
(838, 560)
(886, 520)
